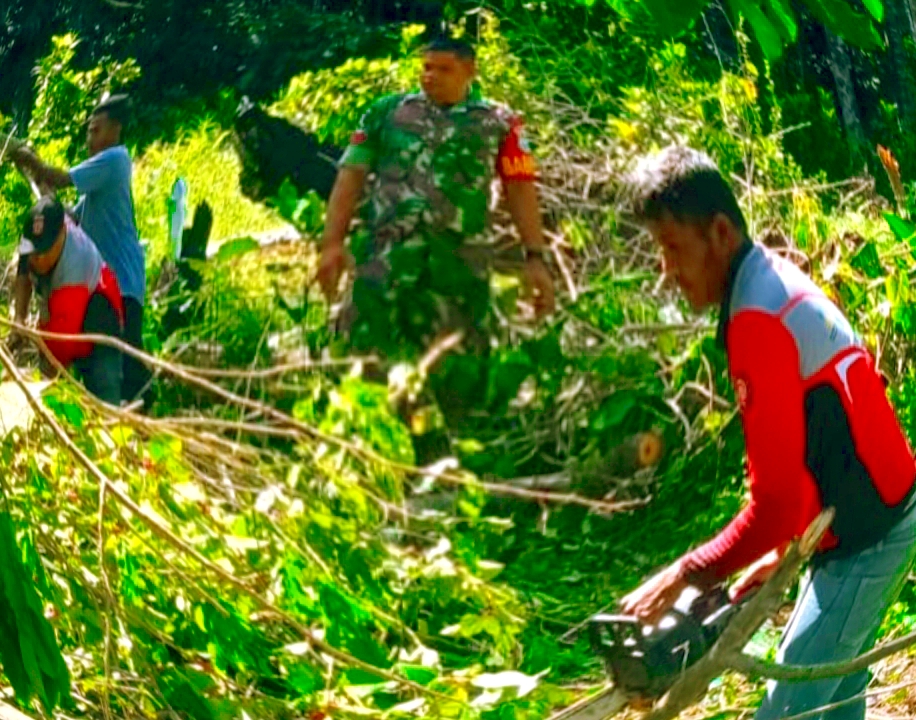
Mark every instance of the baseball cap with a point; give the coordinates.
(44, 223)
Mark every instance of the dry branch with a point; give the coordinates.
(308, 432)
(636, 453)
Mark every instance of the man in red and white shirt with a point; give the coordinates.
(78, 294)
(819, 431)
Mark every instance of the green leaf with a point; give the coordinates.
(418, 673)
(287, 200)
(852, 26)
(866, 261)
(614, 411)
(784, 17)
(236, 248)
(358, 676)
(184, 698)
(305, 679)
(69, 411)
(903, 230)
(766, 33)
(897, 288)
(875, 9)
(672, 18)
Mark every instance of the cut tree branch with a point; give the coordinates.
(304, 430)
(169, 537)
(752, 667)
(692, 685)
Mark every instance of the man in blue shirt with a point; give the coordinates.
(105, 212)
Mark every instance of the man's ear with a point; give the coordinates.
(723, 235)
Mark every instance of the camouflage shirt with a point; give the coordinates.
(432, 171)
(433, 167)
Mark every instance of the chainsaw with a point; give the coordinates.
(646, 660)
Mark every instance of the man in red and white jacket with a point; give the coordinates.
(78, 294)
(819, 430)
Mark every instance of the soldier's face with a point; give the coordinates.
(446, 78)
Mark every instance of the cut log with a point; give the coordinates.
(636, 453)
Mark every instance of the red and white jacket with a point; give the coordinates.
(819, 429)
(65, 292)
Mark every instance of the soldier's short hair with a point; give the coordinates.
(685, 184)
(116, 107)
(462, 49)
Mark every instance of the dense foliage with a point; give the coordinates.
(265, 547)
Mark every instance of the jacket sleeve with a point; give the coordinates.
(67, 310)
(764, 365)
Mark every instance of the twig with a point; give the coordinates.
(109, 603)
(753, 667)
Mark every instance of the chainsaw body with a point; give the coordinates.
(646, 660)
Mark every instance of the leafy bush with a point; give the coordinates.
(65, 97)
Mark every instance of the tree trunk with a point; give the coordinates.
(899, 74)
(841, 68)
(910, 8)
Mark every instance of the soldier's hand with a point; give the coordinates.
(539, 290)
(334, 260)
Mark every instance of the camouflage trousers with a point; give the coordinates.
(406, 299)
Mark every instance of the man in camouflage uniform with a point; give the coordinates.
(432, 157)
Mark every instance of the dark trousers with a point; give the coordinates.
(136, 374)
(101, 370)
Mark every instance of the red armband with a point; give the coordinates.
(515, 163)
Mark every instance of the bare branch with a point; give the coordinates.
(755, 668)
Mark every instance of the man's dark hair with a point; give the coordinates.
(685, 184)
(462, 49)
(116, 107)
